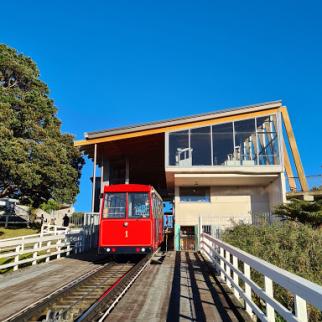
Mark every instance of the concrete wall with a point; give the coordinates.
(276, 191)
(56, 217)
(227, 205)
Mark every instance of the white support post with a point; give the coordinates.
(68, 248)
(248, 290)
(35, 254)
(22, 243)
(58, 247)
(235, 276)
(200, 231)
(228, 271)
(17, 258)
(48, 251)
(270, 313)
(222, 264)
(300, 309)
(127, 171)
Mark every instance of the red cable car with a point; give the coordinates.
(131, 219)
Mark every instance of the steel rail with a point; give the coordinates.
(18, 316)
(81, 290)
(105, 304)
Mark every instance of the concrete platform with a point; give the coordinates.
(180, 289)
(24, 287)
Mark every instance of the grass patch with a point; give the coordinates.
(16, 232)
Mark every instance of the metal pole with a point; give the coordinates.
(94, 177)
(127, 171)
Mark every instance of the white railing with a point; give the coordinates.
(51, 242)
(227, 259)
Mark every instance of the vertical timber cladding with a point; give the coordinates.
(294, 149)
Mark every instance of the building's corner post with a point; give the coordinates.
(283, 186)
(94, 177)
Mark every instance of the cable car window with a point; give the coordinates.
(139, 205)
(114, 205)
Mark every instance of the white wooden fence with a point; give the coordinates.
(51, 242)
(226, 259)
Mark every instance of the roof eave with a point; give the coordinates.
(182, 120)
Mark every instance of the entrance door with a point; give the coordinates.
(187, 238)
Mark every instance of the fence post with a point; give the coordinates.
(222, 264)
(48, 251)
(270, 313)
(228, 271)
(300, 309)
(248, 290)
(17, 258)
(235, 276)
(35, 253)
(68, 245)
(23, 243)
(58, 247)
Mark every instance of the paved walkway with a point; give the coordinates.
(24, 287)
(180, 289)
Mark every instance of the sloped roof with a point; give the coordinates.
(183, 120)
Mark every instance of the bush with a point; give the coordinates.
(306, 212)
(292, 246)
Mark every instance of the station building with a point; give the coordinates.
(225, 166)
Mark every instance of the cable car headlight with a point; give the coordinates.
(142, 249)
(108, 249)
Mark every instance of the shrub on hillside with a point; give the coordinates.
(292, 246)
(306, 212)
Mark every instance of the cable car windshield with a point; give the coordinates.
(139, 205)
(114, 205)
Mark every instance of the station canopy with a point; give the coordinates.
(145, 147)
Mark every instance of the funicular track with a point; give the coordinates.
(88, 298)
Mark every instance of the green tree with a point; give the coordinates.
(37, 161)
(306, 212)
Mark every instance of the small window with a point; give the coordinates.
(114, 205)
(206, 229)
(194, 194)
(139, 205)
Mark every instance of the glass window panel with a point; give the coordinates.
(179, 153)
(139, 205)
(245, 142)
(268, 153)
(200, 146)
(194, 194)
(266, 123)
(114, 205)
(223, 143)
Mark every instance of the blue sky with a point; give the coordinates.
(113, 63)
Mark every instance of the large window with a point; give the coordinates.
(245, 142)
(267, 140)
(139, 205)
(223, 143)
(200, 146)
(241, 143)
(179, 152)
(194, 194)
(115, 205)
